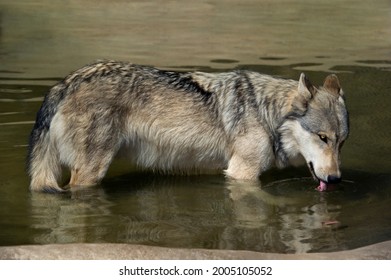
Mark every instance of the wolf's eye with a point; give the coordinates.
(323, 137)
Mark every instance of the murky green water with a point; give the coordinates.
(41, 41)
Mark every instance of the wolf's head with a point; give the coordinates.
(317, 129)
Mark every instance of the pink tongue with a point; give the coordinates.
(322, 186)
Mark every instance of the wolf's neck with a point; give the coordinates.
(240, 93)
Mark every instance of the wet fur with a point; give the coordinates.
(240, 122)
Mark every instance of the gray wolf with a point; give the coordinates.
(239, 122)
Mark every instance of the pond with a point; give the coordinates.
(42, 41)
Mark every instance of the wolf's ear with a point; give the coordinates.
(306, 92)
(305, 87)
(332, 85)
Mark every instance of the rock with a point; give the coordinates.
(136, 252)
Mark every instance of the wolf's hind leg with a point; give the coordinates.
(91, 172)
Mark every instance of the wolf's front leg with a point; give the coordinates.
(252, 154)
(240, 168)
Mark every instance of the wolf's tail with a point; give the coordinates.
(43, 163)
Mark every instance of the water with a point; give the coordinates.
(41, 41)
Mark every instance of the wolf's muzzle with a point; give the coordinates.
(333, 179)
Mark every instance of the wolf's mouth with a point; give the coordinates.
(312, 170)
(323, 186)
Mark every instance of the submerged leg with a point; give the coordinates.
(89, 173)
(252, 154)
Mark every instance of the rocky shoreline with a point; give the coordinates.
(107, 251)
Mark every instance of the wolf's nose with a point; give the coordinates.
(333, 179)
